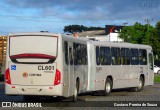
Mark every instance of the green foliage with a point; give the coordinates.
(157, 78)
(158, 25)
(79, 28)
(143, 34)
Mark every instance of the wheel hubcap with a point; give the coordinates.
(140, 84)
(108, 87)
(75, 92)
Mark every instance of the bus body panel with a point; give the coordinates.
(150, 72)
(32, 74)
(32, 63)
(74, 71)
(91, 68)
(123, 75)
(34, 90)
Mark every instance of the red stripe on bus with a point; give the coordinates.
(31, 55)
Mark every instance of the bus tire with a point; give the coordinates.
(76, 89)
(108, 87)
(140, 85)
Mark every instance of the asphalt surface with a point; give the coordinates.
(118, 99)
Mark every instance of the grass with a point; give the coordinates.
(156, 78)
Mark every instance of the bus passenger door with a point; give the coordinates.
(70, 68)
(150, 71)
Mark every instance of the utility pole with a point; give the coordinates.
(148, 22)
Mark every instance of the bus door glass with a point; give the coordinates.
(70, 67)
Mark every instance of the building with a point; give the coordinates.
(110, 33)
(3, 44)
(113, 32)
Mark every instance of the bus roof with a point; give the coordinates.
(98, 43)
(120, 44)
(33, 33)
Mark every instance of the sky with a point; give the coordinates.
(53, 15)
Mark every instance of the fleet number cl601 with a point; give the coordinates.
(40, 67)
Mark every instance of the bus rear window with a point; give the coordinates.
(33, 47)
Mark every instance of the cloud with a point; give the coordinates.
(90, 10)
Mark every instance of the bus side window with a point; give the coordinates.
(102, 56)
(84, 54)
(97, 56)
(118, 56)
(134, 57)
(70, 56)
(108, 55)
(125, 56)
(77, 54)
(105, 56)
(113, 56)
(151, 61)
(116, 59)
(79, 50)
(66, 51)
(143, 57)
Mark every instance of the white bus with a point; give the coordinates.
(46, 64)
(119, 65)
(42, 64)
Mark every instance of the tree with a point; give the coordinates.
(74, 28)
(158, 25)
(80, 28)
(134, 34)
(141, 34)
(157, 40)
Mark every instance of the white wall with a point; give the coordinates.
(114, 37)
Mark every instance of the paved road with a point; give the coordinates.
(149, 93)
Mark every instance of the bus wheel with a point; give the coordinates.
(76, 89)
(158, 72)
(108, 87)
(140, 85)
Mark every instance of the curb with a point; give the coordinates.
(156, 82)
